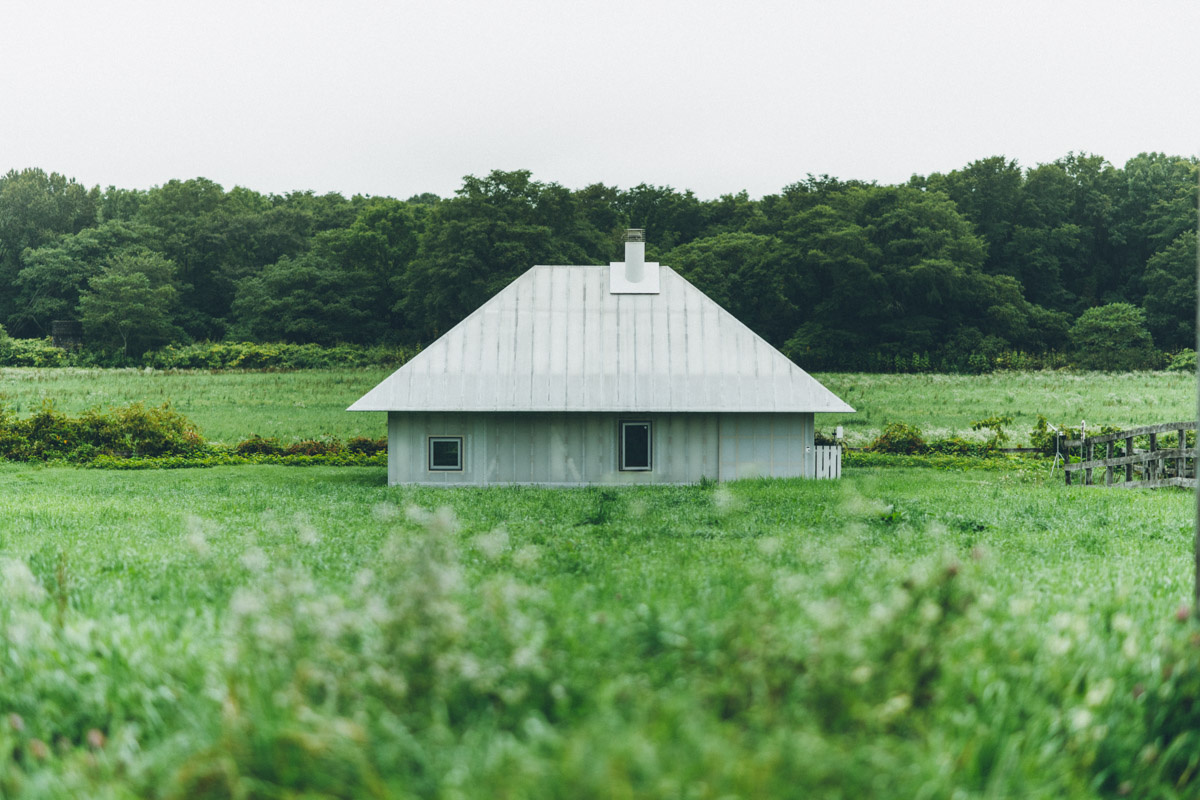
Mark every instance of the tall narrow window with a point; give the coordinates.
(445, 453)
(635, 445)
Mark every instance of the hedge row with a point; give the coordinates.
(225, 458)
(129, 431)
(207, 355)
(136, 437)
(249, 355)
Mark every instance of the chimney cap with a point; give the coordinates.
(635, 234)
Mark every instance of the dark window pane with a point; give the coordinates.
(636, 446)
(445, 454)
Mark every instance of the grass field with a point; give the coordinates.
(272, 632)
(256, 631)
(231, 406)
(227, 406)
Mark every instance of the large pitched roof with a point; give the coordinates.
(556, 339)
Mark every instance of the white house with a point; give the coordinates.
(625, 374)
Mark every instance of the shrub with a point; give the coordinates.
(257, 445)
(366, 446)
(274, 355)
(1113, 338)
(1183, 361)
(132, 430)
(823, 439)
(314, 447)
(958, 446)
(31, 353)
(900, 439)
(995, 424)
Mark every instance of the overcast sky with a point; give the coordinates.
(396, 98)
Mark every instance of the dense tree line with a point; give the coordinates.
(951, 268)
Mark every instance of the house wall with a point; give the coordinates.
(571, 449)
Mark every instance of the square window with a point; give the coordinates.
(445, 453)
(636, 446)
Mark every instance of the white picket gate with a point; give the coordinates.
(828, 462)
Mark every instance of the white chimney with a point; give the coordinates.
(635, 254)
(633, 275)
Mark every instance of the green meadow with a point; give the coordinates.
(231, 406)
(275, 632)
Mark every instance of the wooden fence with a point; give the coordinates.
(1136, 458)
(828, 462)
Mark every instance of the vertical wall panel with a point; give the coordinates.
(573, 449)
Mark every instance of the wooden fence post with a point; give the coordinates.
(1152, 465)
(1089, 455)
(1181, 462)
(1128, 452)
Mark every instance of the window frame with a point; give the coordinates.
(429, 453)
(621, 427)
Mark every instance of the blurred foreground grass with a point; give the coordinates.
(266, 632)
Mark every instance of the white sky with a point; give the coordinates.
(395, 98)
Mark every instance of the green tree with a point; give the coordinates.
(304, 299)
(35, 208)
(1170, 300)
(987, 192)
(130, 304)
(740, 272)
(49, 284)
(342, 290)
(1113, 337)
(477, 242)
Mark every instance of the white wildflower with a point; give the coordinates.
(196, 537)
(385, 512)
(17, 583)
(1129, 648)
(1020, 606)
(305, 531)
(246, 603)
(492, 544)
(527, 557)
(254, 559)
(769, 545)
(1080, 719)
(415, 513)
(894, 707)
(723, 499)
(1099, 693)
(444, 521)
(1058, 645)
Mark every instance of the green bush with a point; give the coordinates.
(367, 446)
(1183, 361)
(900, 439)
(1113, 338)
(315, 447)
(958, 446)
(257, 445)
(31, 353)
(132, 430)
(995, 424)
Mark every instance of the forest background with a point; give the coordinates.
(993, 265)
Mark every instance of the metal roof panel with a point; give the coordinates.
(556, 339)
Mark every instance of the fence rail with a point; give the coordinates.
(1134, 458)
